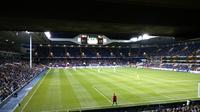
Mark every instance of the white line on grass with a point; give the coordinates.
(34, 92)
(102, 94)
(19, 102)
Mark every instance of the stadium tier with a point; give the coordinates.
(61, 76)
(15, 75)
(118, 51)
(184, 56)
(100, 56)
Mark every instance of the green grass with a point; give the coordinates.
(69, 89)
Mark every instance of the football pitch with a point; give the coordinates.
(89, 88)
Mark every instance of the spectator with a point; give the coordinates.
(14, 75)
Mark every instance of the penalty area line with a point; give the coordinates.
(102, 94)
(34, 91)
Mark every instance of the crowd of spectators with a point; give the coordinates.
(192, 108)
(120, 62)
(14, 75)
(88, 62)
(183, 57)
(180, 108)
(175, 66)
(170, 50)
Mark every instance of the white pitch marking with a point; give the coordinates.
(102, 94)
(34, 92)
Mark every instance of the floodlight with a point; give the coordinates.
(134, 39)
(145, 36)
(48, 34)
(140, 38)
(27, 32)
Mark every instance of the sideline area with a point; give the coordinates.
(14, 101)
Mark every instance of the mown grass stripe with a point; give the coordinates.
(74, 89)
(82, 76)
(82, 94)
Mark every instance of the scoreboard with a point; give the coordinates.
(91, 39)
(100, 40)
(83, 39)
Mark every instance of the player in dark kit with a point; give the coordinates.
(114, 99)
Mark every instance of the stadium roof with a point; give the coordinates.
(118, 19)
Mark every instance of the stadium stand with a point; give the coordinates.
(15, 72)
(118, 51)
(179, 56)
(13, 75)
